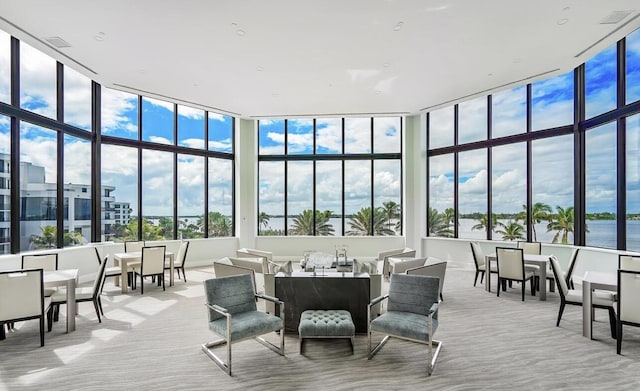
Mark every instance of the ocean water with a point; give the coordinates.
(602, 233)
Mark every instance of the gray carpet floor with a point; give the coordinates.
(152, 341)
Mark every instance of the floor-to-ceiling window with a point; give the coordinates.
(330, 176)
(160, 167)
(553, 179)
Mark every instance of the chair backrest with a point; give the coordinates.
(99, 281)
(234, 293)
(46, 262)
(370, 267)
(21, 294)
(133, 246)
(398, 252)
(572, 264)
(415, 294)
(224, 268)
(152, 260)
(628, 293)
(629, 262)
(530, 247)
(478, 256)
(510, 262)
(182, 253)
(253, 253)
(438, 269)
(557, 273)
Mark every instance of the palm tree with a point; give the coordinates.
(391, 210)
(263, 219)
(539, 213)
(562, 222)
(219, 224)
(360, 223)
(303, 223)
(439, 224)
(47, 239)
(449, 215)
(483, 223)
(511, 231)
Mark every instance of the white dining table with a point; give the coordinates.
(542, 261)
(68, 278)
(125, 259)
(590, 282)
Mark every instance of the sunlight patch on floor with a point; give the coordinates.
(125, 317)
(150, 305)
(70, 353)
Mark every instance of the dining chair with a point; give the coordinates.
(22, 298)
(131, 246)
(233, 315)
(179, 260)
(394, 253)
(534, 248)
(566, 275)
(412, 314)
(46, 262)
(84, 294)
(601, 299)
(511, 268)
(151, 264)
(480, 262)
(109, 271)
(628, 293)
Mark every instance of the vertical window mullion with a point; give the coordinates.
(456, 174)
(96, 163)
(140, 233)
(621, 183)
(529, 222)
(371, 184)
(205, 221)
(579, 157)
(490, 221)
(15, 148)
(60, 157)
(175, 172)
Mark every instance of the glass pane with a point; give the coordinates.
(472, 192)
(190, 196)
(271, 137)
(329, 135)
(300, 219)
(190, 127)
(552, 185)
(387, 196)
(220, 197)
(552, 102)
(387, 134)
(633, 66)
(300, 136)
(119, 195)
(600, 186)
(157, 195)
(220, 132)
(441, 128)
(157, 121)
(77, 99)
(5, 185)
(77, 191)
(600, 82)
(329, 195)
(271, 198)
(37, 81)
(38, 188)
(441, 177)
(633, 183)
(357, 199)
(509, 194)
(509, 112)
(357, 135)
(119, 114)
(5, 67)
(472, 120)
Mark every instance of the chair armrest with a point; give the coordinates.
(217, 308)
(433, 309)
(378, 299)
(269, 298)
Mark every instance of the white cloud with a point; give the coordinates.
(77, 99)
(189, 112)
(160, 140)
(193, 142)
(37, 81)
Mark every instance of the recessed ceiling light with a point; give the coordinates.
(385, 65)
(562, 21)
(99, 38)
(489, 74)
(398, 26)
(378, 91)
(259, 69)
(58, 42)
(240, 32)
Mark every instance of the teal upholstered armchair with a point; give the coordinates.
(412, 314)
(233, 315)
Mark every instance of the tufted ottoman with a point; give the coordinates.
(326, 324)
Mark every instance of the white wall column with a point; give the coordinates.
(246, 182)
(415, 177)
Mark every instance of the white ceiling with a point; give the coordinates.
(318, 58)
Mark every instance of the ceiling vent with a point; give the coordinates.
(58, 42)
(615, 17)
